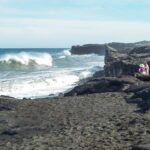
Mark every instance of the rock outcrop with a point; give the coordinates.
(142, 98)
(141, 51)
(100, 48)
(118, 64)
(88, 49)
(103, 85)
(119, 76)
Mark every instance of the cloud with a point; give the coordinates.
(64, 33)
(62, 23)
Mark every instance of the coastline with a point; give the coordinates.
(103, 112)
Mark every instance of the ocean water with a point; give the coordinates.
(35, 73)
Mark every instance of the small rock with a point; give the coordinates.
(141, 147)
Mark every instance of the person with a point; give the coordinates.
(146, 68)
(142, 69)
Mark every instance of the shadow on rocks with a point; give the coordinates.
(141, 97)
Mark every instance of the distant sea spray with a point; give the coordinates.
(43, 72)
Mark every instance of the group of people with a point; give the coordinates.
(144, 69)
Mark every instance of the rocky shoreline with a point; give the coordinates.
(110, 111)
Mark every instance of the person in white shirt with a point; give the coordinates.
(146, 68)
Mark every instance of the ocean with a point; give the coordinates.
(37, 73)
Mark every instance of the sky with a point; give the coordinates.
(63, 23)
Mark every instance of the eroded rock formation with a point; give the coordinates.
(118, 64)
(100, 48)
(88, 49)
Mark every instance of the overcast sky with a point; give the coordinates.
(63, 23)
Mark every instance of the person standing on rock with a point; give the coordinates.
(146, 68)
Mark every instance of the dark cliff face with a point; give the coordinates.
(122, 47)
(100, 48)
(118, 64)
(120, 58)
(88, 49)
(122, 64)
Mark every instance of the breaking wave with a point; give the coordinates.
(65, 54)
(42, 73)
(25, 60)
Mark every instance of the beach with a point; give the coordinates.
(74, 75)
(107, 111)
(95, 121)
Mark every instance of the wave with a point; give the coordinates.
(38, 86)
(43, 83)
(59, 76)
(65, 54)
(89, 72)
(25, 59)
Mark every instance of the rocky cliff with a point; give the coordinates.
(118, 76)
(88, 49)
(100, 48)
(118, 64)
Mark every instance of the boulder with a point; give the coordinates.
(141, 147)
(144, 94)
(5, 106)
(141, 97)
(102, 85)
(137, 87)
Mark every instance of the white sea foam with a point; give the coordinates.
(38, 86)
(61, 57)
(25, 58)
(89, 72)
(42, 83)
(67, 52)
(64, 74)
(85, 74)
